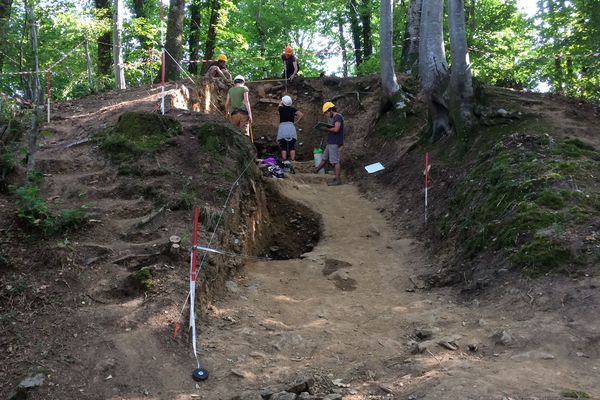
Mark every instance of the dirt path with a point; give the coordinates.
(344, 312)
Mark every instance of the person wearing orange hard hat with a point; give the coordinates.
(290, 64)
(335, 140)
(218, 69)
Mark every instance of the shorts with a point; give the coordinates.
(287, 145)
(332, 153)
(241, 119)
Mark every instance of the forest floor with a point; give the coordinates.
(350, 317)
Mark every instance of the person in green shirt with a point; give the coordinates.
(237, 105)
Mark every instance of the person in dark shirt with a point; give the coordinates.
(290, 64)
(218, 69)
(286, 134)
(335, 140)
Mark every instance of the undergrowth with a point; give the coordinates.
(531, 197)
(35, 214)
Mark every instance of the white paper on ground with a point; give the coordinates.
(374, 167)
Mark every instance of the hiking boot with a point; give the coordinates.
(334, 182)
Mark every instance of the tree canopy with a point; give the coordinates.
(557, 48)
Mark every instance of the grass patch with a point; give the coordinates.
(517, 198)
(395, 124)
(137, 133)
(140, 280)
(575, 394)
(34, 212)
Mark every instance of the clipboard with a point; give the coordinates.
(323, 126)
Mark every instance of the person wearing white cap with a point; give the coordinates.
(286, 134)
(237, 105)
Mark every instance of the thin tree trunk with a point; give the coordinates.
(410, 49)
(89, 67)
(173, 45)
(461, 80)
(5, 7)
(37, 98)
(195, 19)
(343, 44)
(558, 76)
(365, 18)
(141, 11)
(261, 35)
(211, 36)
(433, 68)
(356, 32)
(386, 54)
(104, 40)
(117, 48)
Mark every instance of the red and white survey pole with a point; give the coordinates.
(426, 181)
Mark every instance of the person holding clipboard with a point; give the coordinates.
(335, 140)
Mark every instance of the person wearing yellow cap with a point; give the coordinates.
(218, 69)
(335, 140)
(290, 64)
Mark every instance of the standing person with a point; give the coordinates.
(335, 140)
(237, 105)
(218, 69)
(290, 64)
(286, 134)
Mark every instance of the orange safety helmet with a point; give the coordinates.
(288, 50)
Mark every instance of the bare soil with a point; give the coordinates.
(351, 311)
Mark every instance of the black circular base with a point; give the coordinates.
(200, 374)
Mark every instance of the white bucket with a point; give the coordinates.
(318, 157)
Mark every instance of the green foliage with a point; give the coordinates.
(34, 212)
(516, 199)
(138, 133)
(575, 394)
(140, 280)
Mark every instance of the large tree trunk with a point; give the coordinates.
(433, 68)
(104, 40)
(410, 49)
(356, 32)
(5, 6)
(386, 55)
(195, 19)
(365, 19)
(211, 36)
(174, 41)
(461, 80)
(117, 49)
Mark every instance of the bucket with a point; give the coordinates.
(318, 156)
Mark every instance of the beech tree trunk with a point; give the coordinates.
(117, 48)
(174, 40)
(356, 31)
(194, 40)
(410, 49)
(211, 36)
(386, 54)
(5, 7)
(104, 40)
(433, 68)
(37, 97)
(461, 80)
